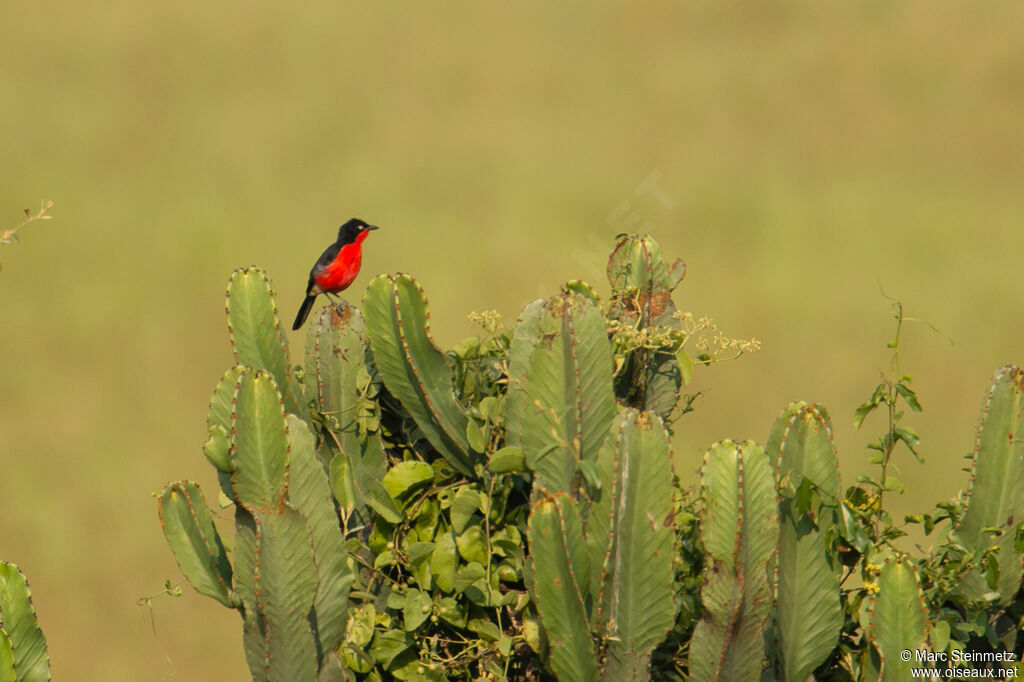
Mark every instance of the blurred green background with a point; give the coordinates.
(807, 153)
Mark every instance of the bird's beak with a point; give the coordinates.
(371, 227)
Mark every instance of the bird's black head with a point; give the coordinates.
(348, 232)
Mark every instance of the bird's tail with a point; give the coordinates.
(307, 305)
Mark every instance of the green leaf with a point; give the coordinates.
(444, 561)
(909, 395)
(417, 608)
(685, 366)
(472, 545)
(475, 436)
(507, 460)
(449, 610)
(485, 629)
(940, 636)
(861, 412)
(895, 484)
(406, 476)
(465, 504)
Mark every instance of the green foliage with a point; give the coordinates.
(23, 654)
(506, 509)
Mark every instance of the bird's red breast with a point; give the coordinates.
(340, 272)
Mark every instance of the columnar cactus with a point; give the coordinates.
(291, 573)
(995, 504)
(899, 620)
(603, 588)
(808, 613)
(740, 532)
(414, 369)
(642, 284)
(560, 399)
(23, 654)
(340, 375)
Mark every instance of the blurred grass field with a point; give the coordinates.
(809, 154)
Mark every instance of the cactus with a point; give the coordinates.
(630, 533)
(740, 533)
(291, 573)
(642, 284)
(899, 621)
(808, 609)
(412, 367)
(195, 542)
(560, 398)
(310, 492)
(256, 337)
(561, 575)
(23, 654)
(606, 588)
(338, 363)
(996, 498)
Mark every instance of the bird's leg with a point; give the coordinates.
(338, 301)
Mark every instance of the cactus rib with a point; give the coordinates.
(413, 368)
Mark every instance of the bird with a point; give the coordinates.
(336, 267)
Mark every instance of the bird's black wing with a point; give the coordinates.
(325, 259)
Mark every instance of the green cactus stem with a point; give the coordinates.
(560, 399)
(740, 532)
(808, 614)
(195, 542)
(338, 369)
(256, 336)
(414, 370)
(642, 285)
(561, 572)
(23, 654)
(899, 619)
(995, 506)
(630, 534)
